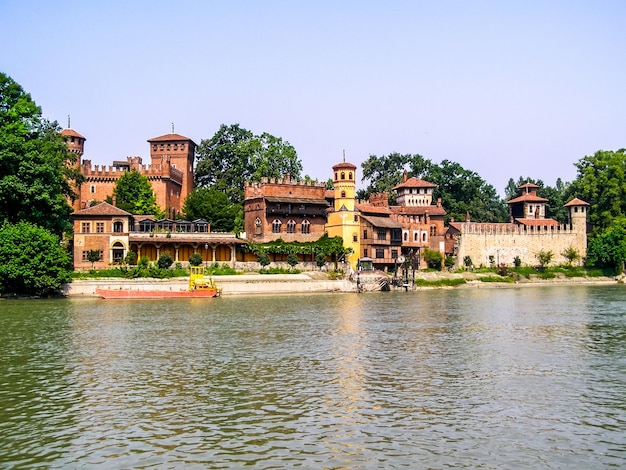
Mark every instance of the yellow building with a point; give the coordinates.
(343, 220)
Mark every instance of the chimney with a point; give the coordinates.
(405, 176)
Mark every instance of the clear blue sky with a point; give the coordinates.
(505, 88)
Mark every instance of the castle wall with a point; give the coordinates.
(506, 241)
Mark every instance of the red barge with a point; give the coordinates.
(200, 287)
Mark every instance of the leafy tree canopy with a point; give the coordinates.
(461, 190)
(213, 206)
(601, 181)
(133, 193)
(32, 260)
(37, 171)
(608, 248)
(235, 155)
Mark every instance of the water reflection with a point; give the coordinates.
(467, 378)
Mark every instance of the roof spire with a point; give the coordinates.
(68, 122)
(344, 155)
(172, 128)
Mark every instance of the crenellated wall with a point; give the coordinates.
(504, 242)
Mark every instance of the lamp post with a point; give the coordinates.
(206, 253)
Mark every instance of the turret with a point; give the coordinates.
(75, 142)
(345, 186)
(578, 214)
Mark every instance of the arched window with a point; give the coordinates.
(350, 175)
(258, 227)
(291, 226)
(343, 194)
(118, 227)
(306, 226)
(406, 236)
(118, 252)
(343, 175)
(276, 226)
(423, 236)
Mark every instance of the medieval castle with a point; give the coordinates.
(298, 211)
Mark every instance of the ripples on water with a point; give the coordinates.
(484, 378)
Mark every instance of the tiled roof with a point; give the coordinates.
(71, 133)
(415, 183)
(527, 198)
(367, 208)
(169, 137)
(418, 210)
(345, 165)
(576, 202)
(104, 208)
(385, 222)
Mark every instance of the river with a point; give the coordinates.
(467, 378)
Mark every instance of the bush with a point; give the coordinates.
(433, 259)
(195, 259)
(292, 260)
(165, 261)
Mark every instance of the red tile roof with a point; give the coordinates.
(71, 133)
(104, 208)
(576, 202)
(169, 137)
(527, 198)
(418, 210)
(345, 165)
(537, 222)
(415, 183)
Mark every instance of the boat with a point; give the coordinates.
(200, 286)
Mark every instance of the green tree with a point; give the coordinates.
(608, 248)
(263, 258)
(213, 206)
(433, 259)
(601, 181)
(32, 260)
(93, 256)
(571, 254)
(544, 258)
(292, 260)
(235, 155)
(37, 171)
(133, 193)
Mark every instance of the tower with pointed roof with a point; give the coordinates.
(343, 220)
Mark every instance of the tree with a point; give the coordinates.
(433, 259)
(37, 171)
(263, 258)
(235, 155)
(608, 248)
(292, 260)
(544, 258)
(213, 206)
(32, 260)
(93, 256)
(460, 190)
(133, 193)
(571, 254)
(601, 181)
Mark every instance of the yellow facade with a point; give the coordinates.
(344, 221)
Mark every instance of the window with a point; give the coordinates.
(381, 234)
(118, 227)
(276, 226)
(85, 227)
(415, 236)
(355, 237)
(258, 227)
(291, 226)
(433, 230)
(343, 175)
(380, 253)
(86, 253)
(394, 254)
(406, 236)
(99, 227)
(350, 175)
(365, 253)
(92, 189)
(364, 234)
(423, 236)
(343, 194)
(306, 226)
(356, 218)
(118, 252)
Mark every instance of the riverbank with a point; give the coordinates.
(313, 282)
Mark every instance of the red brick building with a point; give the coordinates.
(170, 172)
(284, 208)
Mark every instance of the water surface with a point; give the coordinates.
(472, 378)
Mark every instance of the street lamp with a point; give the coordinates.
(206, 254)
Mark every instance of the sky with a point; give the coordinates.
(504, 88)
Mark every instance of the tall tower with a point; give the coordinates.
(181, 152)
(344, 220)
(75, 142)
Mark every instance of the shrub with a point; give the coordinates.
(195, 259)
(433, 259)
(165, 261)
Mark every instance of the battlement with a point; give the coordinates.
(283, 181)
(477, 228)
(113, 172)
